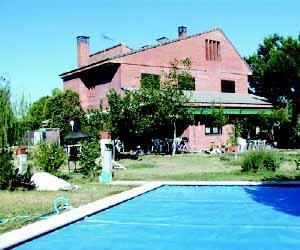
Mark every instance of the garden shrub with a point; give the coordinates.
(50, 157)
(297, 161)
(9, 177)
(260, 160)
(6, 169)
(90, 151)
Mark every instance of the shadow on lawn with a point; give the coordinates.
(283, 199)
(281, 177)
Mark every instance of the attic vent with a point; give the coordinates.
(213, 51)
(163, 40)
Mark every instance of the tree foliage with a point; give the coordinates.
(36, 113)
(6, 115)
(276, 76)
(60, 108)
(95, 121)
(219, 119)
(9, 131)
(276, 69)
(150, 81)
(90, 151)
(21, 121)
(149, 112)
(50, 157)
(180, 76)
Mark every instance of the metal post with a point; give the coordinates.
(106, 174)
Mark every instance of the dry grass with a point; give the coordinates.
(37, 202)
(172, 168)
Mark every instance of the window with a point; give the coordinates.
(210, 130)
(186, 82)
(150, 81)
(227, 86)
(212, 49)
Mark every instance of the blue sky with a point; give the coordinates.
(38, 37)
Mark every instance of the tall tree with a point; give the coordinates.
(61, 108)
(150, 111)
(276, 75)
(36, 112)
(276, 69)
(6, 115)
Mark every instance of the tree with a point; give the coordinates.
(134, 116)
(36, 113)
(61, 108)
(6, 134)
(180, 76)
(276, 68)
(276, 76)
(218, 117)
(21, 121)
(6, 115)
(9, 177)
(50, 157)
(150, 111)
(90, 151)
(94, 121)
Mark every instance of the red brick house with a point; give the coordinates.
(220, 73)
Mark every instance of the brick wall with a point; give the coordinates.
(208, 74)
(198, 140)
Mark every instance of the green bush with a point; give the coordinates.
(50, 157)
(9, 177)
(260, 160)
(6, 169)
(90, 151)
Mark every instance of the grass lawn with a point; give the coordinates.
(201, 167)
(37, 202)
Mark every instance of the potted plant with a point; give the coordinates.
(105, 133)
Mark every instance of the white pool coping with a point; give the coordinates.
(36, 229)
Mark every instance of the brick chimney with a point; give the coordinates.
(83, 50)
(181, 32)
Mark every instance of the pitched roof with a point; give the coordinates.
(147, 48)
(165, 43)
(221, 98)
(109, 48)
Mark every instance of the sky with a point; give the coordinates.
(38, 37)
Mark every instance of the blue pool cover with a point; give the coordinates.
(189, 217)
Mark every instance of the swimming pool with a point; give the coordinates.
(189, 217)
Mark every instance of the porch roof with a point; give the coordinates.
(207, 98)
(203, 103)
